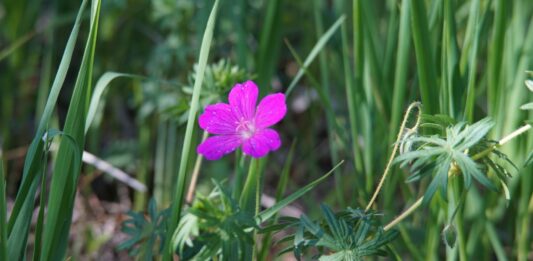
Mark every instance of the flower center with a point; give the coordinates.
(246, 128)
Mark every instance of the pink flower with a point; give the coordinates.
(239, 123)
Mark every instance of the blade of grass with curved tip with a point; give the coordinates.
(266, 214)
(67, 168)
(24, 202)
(314, 52)
(177, 203)
(99, 88)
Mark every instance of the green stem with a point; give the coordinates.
(239, 174)
(459, 222)
(249, 200)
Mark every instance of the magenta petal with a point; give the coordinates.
(218, 119)
(215, 147)
(243, 98)
(270, 110)
(261, 143)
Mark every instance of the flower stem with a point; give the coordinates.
(195, 174)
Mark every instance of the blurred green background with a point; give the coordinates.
(465, 59)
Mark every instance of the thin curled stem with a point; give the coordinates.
(411, 107)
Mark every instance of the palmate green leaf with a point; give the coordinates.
(467, 165)
(215, 224)
(346, 235)
(474, 133)
(145, 233)
(436, 155)
(439, 181)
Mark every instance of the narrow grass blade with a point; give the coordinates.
(495, 57)
(269, 45)
(266, 214)
(424, 56)
(314, 52)
(186, 149)
(351, 98)
(402, 65)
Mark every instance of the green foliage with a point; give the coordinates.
(348, 235)
(218, 78)
(214, 225)
(460, 150)
(147, 235)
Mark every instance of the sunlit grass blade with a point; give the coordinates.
(177, 203)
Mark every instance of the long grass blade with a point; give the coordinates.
(68, 165)
(186, 149)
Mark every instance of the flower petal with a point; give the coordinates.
(218, 119)
(215, 147)
(242, 99)
(270, 110)
(261, 143)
